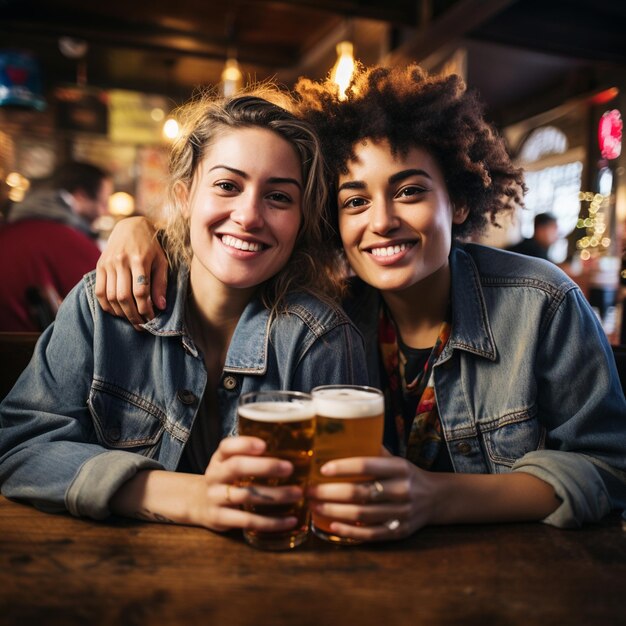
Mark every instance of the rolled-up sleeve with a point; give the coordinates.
(576, 481)
(98, 480)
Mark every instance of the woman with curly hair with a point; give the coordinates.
(502, 397)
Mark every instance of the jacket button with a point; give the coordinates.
(463, 448)
(230, 382)
(114, 433)
(186, 396)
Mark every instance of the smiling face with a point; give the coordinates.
(244, 207)
(395, 217)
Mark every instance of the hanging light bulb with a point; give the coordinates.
(231, 77)
(341, 74)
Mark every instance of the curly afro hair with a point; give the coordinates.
(409, 107)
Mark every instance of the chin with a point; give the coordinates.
(387, 283)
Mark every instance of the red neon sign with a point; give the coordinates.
(610, 134)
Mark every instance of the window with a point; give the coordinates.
(553, 175)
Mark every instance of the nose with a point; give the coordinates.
(249, 212)
(382, 216)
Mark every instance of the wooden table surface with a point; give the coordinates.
(55, 569)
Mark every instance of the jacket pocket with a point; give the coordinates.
(510, 437)
(124, 420)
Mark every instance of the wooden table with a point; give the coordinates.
(55, 569)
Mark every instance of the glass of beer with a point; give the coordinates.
(285, 420)
(349, 423)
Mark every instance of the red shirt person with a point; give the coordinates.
(46, 256)
(49, 244)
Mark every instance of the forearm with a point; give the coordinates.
(159, 496)
(486, 498)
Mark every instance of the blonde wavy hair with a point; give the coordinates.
(314, 266)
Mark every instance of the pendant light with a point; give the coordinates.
(342, 71)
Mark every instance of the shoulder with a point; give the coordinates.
(496, 267)
(529, 247)
(318, 316)
(50, 233)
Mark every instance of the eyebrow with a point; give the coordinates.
(273, 180)
(394, 178)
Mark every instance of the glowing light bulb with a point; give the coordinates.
(341, 73)
(121, 203)
(231, 77)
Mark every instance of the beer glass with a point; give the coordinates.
(285, 420)
(349, 423)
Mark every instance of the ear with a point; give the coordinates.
(459, 214)
(81, 196)
(181, 193)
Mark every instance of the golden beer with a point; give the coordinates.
(286, 422)
(349, 423)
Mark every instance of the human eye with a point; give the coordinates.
(354, 204)
(279, 197)
(410, 191)
(225, 185)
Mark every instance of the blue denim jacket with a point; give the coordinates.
(100, 401)
(527, 381)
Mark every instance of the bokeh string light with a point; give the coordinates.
(594, 242)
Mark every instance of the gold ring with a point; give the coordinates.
(377, 491)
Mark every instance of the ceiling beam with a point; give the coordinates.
(444, 30)
(163, 40)
(399, 12)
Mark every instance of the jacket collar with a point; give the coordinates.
(471, 330)
(247, 352)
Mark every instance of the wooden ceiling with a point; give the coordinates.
(521, 54)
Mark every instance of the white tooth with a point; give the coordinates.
(396, 249)
(240, 244)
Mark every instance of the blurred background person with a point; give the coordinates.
(79, 196)
(546, 233)
(49, 243)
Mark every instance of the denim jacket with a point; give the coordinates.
(527, 381)
(100, 401)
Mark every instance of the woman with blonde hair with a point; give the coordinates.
(107, 420)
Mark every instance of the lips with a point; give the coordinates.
(241, 244)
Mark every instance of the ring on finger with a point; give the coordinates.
(142, 280)
(377, 491)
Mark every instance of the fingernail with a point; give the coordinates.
(161, 302)
(284, 467)
(258, 445)
(327, 469)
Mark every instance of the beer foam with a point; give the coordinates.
(277, 411)
(346, 403)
